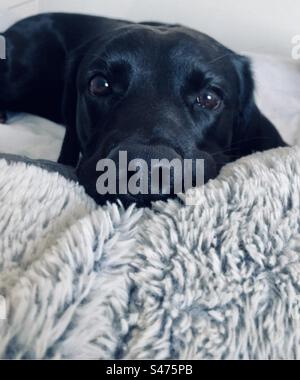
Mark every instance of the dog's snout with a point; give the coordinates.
(144, 173)
(145, 153)
(147, 172)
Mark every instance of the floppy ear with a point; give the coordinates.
(252, 131)
(70, 151)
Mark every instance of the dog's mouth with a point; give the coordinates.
(143, 175)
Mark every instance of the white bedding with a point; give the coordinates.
(60, 249)
(31, 136)
(215, 281)
(277, 94)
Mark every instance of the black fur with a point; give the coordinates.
(156, 70)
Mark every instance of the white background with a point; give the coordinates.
(265, 26)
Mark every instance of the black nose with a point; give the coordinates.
(144, 156)
(144, 173)
(147, 173)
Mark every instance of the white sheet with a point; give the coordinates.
(277, 94)
(31, 136)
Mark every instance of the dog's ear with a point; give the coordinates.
(70, 152)
(252, 130)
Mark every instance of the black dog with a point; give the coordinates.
(153, 90)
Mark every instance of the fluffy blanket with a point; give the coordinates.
(220, 280)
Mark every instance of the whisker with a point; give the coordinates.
(236, 145)
(219, 58)
(252, 139)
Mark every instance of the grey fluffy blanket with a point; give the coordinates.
(220, 280)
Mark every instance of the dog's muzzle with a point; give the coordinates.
(143, 174)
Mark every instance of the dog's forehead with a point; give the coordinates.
(169, 41)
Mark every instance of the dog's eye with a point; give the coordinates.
(99, 86)
(209, 99)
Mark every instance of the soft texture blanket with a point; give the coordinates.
(220, 280)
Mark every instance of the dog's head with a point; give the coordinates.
(162, 92)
